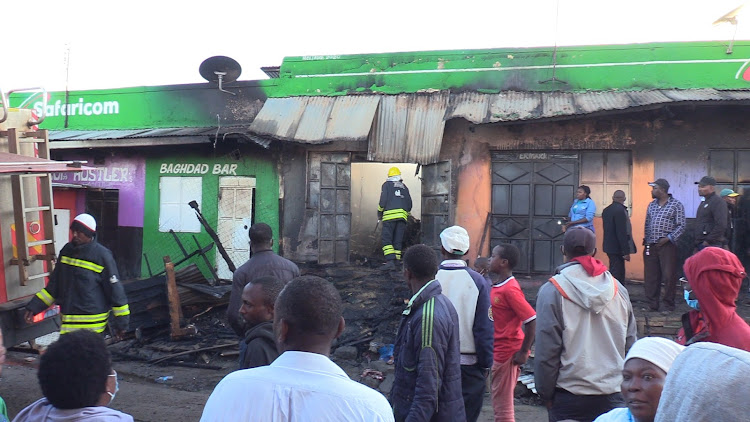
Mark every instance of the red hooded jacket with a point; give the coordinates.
(715, 276)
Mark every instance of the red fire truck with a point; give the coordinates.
(27, 247)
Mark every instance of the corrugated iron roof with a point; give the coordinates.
(271, 71)
(72, 139)
(77, 135)
(316, 120)
(22, 164)
(409, 127)
(512, 106)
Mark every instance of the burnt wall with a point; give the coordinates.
(673, 143)
(293, 172)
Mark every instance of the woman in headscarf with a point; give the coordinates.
(582, 211)
(643, 374)
(714, 277)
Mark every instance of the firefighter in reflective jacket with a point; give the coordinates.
(393, 210)
(85, 284)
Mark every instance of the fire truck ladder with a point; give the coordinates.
(25, 189)
(22, 210)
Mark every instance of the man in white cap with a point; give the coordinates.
(469, 293)
(85, 283)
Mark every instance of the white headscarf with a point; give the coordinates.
(659, 351)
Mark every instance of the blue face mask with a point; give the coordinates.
(117, 386)
(693, 303)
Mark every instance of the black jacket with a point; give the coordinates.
(427, 383)
(86, 285)
(617, 233)
(711, 221)
(395, 201)
(259, 346)
(262, 263)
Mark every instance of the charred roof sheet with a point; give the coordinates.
(72, 139)
(513, 106)
(315, 120)
(78, 135)
(409, 127)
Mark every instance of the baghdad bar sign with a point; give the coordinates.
(198, 168)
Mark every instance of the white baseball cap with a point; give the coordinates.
(455, 239)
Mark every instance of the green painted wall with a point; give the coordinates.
(157, 244)
(588, 68)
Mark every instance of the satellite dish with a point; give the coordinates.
(220, 69)
(730, 18)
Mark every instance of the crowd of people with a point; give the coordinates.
(461, 326)
(722, 220)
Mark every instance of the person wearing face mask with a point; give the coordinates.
(643, 376)
(78, 382)
(713, 279)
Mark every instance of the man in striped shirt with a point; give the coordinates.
(665, 223)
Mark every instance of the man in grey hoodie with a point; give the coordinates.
(585, 326)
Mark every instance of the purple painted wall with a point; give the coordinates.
(127, 174)
(682, 175)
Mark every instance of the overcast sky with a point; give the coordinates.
(160, 42)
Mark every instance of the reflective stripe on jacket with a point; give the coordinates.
(395, 201)
(86, 285)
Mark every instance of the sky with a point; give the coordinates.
(85, 44)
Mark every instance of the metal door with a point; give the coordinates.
(235, 218)
(531, 194)
(436, 200)
(103, 205)
(62, 228)
(329, 197)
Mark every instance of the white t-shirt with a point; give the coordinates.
(296, 387)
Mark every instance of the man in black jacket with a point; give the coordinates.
(711, 217)
(618, 243)
(262, 263)
(258, 298)
(427, 383)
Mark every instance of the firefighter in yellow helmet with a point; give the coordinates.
(393, 210)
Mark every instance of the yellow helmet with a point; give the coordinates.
(394, 171)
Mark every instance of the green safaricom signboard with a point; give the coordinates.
(170, 106)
